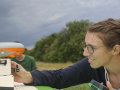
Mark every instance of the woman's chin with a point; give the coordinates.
(94, 66)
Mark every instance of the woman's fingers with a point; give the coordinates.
(109, 85)
(13, 64)
(102, 83)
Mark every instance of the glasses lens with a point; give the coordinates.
(90, 49)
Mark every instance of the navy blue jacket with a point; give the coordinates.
(79, 73)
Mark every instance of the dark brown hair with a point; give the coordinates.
(109, 32)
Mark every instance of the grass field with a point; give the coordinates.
(53, 66)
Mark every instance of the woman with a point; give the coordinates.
(102, 49)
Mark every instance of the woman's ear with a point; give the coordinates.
(116, 50)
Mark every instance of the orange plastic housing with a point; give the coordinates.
(15, 51)
(11, 49)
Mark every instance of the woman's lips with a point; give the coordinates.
(90, 60)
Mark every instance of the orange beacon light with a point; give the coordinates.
(11, 49)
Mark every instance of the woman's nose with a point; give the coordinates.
(85, 52)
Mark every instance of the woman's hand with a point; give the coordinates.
(22, 76)
(109, 85)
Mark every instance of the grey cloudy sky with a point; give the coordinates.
(29, 20)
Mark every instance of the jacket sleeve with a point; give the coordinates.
(76, 74)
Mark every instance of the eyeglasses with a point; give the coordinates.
(90, 47)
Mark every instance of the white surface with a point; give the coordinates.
(18, 84)
(11, 45)
(25, 88)
(6, 81)
(5, 69)
(21, 86)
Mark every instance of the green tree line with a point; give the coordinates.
(63, 46)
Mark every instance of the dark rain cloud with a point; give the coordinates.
(29, 20)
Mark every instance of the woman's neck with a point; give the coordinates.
(113, 67)
(113, 71)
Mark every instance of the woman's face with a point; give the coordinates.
(101, 55)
